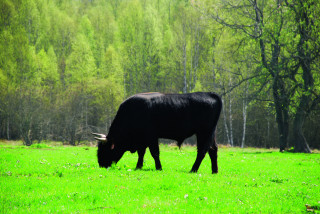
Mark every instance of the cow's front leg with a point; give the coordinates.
(141, 153)
(154, 150)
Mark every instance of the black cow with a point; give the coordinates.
(144, 118)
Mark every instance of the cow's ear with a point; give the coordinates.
(112, 146)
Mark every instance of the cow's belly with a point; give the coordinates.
(175, 132)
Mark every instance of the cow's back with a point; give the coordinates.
(178, 116)
(173, 116)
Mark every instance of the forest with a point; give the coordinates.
(66, 65)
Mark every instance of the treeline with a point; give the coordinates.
(65, 66)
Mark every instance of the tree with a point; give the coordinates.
(251, 20)
(65, 66)
(80, 65)
(306, 16)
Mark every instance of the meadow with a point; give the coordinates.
(62, 179)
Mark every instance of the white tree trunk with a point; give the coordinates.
(225, 123)
(230, 114)
(244, 114)
(185, 67)
(230, 122)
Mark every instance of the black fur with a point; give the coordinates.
(144, 118)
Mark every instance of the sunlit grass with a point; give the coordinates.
(42, 179)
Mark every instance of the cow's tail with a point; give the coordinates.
(179, 143)
(217, 110)
(218, 105)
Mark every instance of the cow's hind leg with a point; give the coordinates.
(203, 145)
(154, 150)
(141, 153)
(213, 153)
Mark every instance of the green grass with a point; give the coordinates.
(58, 179)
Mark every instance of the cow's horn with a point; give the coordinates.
(102, 139)
(99, 135)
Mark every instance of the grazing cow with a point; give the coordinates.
(144, 118)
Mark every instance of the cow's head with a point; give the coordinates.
(107, 151)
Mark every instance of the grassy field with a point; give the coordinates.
(58, 179)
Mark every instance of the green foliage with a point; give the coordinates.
(68, 179)
(65, 66)
(197, 87)
(80, 65)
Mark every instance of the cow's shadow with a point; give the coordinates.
(147, 170)
(257, 153)
(165, 171)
